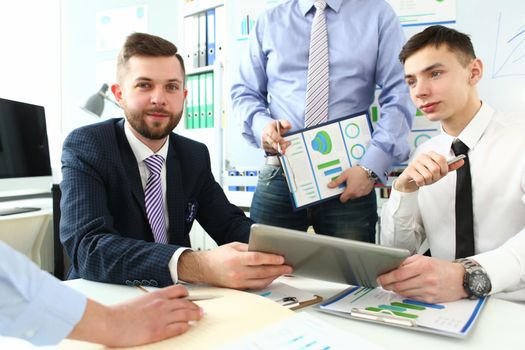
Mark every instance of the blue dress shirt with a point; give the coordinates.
(34, 305)
(364, 38)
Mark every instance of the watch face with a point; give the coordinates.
(479, 283)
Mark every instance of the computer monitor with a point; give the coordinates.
(25, 167)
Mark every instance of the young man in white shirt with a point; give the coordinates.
(483, 225)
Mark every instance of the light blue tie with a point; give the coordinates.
(316, 109)
(154, 199)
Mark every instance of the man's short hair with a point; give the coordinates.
(146, 45)
(436, 36)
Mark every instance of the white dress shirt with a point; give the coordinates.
(141, 152)
(497, 165)
(34, 305)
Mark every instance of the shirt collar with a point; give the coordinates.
(140, 150)
(472, 133)
(306, 5)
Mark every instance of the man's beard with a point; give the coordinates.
(136, 120)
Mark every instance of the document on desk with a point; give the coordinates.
(226, 318)
(301, 331)
(378, 305)
(320, 154)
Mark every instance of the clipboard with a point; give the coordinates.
(453, 319)
(319, 154)
(288, 296)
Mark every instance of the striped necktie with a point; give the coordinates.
(316, 110)
(154, 198)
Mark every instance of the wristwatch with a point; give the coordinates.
(476, 281)
(371, 175)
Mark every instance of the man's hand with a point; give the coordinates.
(426, 279)
(149, 318)
(272, 136)
(425, 170)
(232, 266)
(357, 183)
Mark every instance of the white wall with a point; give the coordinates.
(30, 61)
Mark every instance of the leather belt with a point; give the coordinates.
(272, 160)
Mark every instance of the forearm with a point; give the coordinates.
(397, 110)
(95, 325)
(193, 267)
(249, 93)
(400, 223)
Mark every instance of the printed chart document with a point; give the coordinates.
(320, 154)
(378, 305)
(302, 331)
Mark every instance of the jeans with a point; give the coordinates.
(271, 205)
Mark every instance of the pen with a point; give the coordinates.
(383, 316)
(455, 159)
(189, 297)
(279, 132)
(450, 161)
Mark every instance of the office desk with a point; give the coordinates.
(26, 232)
(499, 325)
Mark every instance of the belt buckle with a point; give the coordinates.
(272, 160)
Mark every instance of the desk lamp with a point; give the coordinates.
(95, 104)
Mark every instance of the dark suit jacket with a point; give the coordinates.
(104, 227)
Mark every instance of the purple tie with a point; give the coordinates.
(154, 198)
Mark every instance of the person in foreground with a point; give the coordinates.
(36, 307)
(132, 189)
(472, 212)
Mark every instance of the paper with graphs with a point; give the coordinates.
(318, 155)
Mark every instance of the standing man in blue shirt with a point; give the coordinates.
(364, 38)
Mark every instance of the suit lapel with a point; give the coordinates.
(130, 165)
(174, 194)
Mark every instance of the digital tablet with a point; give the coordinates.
(327, 258)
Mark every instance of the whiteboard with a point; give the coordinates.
(497, 30)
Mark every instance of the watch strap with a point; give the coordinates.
(371, 175)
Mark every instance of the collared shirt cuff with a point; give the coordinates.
(377, 161)
(174, 261)
(260, 120)
(403, 203)
(502, 267)
(51, 315)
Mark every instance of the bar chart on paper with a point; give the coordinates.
(301, 331)
(319, 155)
(454, 317)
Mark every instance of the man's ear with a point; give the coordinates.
(476, 71)
(117, 92)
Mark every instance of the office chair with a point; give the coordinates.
(60, 257)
